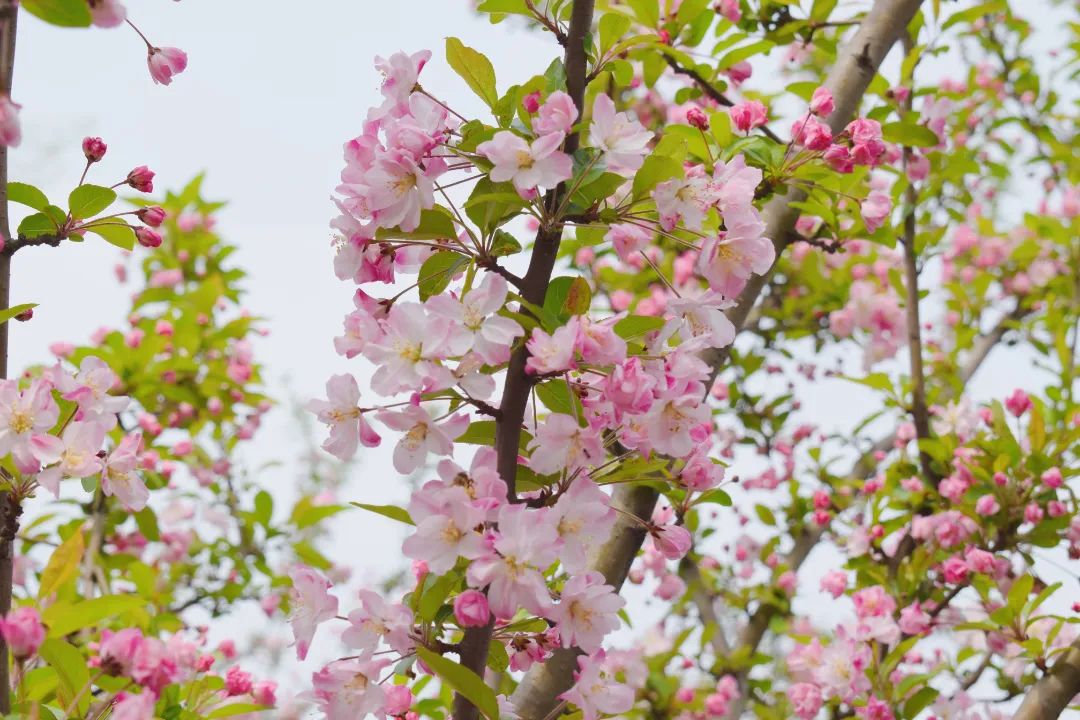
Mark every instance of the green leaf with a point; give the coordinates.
(612, 27)
(65, 13)
(70, 667)
(765, 515)
(86, 201)
(974, 13)
(391, 511)
(474, 68)
(556, 397)
(567, 296)
(716, 495)
(27, 195)
(122, 236)
(647, 11)
(919, 701)
(464, 681)
(11, 312)
(736, 56)
(63, 619)
(63, 565)
(635, 326)
(482, 432)
(910, 134)
(36, 225)
(1019, 592)
(314, 514)
(437, 272)
(436, 594)
(655, 170)
(435, 224)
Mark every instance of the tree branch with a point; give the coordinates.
(1049, 697)
(10, 508)
(854, 69)
(476, 641)
(713, 92)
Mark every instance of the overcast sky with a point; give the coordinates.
(272, 91)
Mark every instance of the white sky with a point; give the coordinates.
(272, 91)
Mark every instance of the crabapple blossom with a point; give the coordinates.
(341, 412)
(23, 631)
(623, 141)
(586, 611)
(528, 166)
(312, 606)
(166, 62)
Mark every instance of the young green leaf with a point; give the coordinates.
(474, 68)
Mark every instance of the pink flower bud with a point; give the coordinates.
(821, 103)
(1052, 478)
(107, 13)
(94, 148)
(1018, 403)
(696, 118)
(748, 115)
(531, 102)
(141, 178)
(23, 631)
(263, 693)
(237, 682)
(166, 62)
(987, 505)
(152, 216)
(471, 609)
(10, 128)
(147, 237)
(673, 541)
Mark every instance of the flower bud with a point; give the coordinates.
(94, 148)
(147, 237)
(141, 178)
(152, 216)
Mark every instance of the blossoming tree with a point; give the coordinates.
(588, 321)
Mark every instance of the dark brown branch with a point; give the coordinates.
(10, 507)
(476, 641)
(16, 245)
(491, 265)
(713, 92)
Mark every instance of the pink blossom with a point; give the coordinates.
(557, 115)
(341, 412)
(152, 216)
(443, 536)
(955, 570)
(628, 240)
(586, 611)
(596, 692)
(237, 682)
(378, 620)
(350, 689)
(399, 699)
(629, 387)
(74, 454)
(812, 134)
(25, 414)
(623, 141)
(821, 103)
(873, 602)
(805, 700)
(561, 443)
(471, 609)
(117, 650)
(400, 73)
(166, 62)
(686, 200)
(134, 707)
(23, 631)
(867, 145)
(746, 116)
(107, 13)
(119, 476)
(914, 620)
(422, 435)
(673, 541)
(312, 605)
(727, 262)
(583, 517)
(875, 209)
(979, 561)
(528, 166)
(552, 353)
(525, 543)
(10, 127)
(696, 118)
